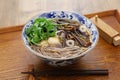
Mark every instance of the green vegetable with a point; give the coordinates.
(41, 29)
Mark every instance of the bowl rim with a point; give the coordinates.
(52, 58)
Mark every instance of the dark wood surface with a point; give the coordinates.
(15, 58)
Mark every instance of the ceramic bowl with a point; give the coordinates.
(69, 15)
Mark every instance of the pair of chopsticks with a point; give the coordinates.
(67, 72)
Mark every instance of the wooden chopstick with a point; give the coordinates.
(67, 72)
(31, 77)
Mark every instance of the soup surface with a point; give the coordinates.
(58, 38)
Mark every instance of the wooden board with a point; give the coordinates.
(106, 28)
(15, 58)
(111, 17)
(106, 31)
(11, 29)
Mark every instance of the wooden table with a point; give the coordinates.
(15, 58)
(16, 12)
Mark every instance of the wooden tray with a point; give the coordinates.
(15, 58)
(111, 17)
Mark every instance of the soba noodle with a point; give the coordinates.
(71, 38)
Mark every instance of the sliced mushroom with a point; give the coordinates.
(67, 22)
(80, 40)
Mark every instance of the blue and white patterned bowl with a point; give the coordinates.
(69, 15)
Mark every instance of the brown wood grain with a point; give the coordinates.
(15, 58)
(31, 77)
(105, 30)
(11, 28)
(117, 14)
(102, 13)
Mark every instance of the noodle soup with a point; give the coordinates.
(59, 37)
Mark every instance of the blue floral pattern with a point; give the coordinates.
(69, 15)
